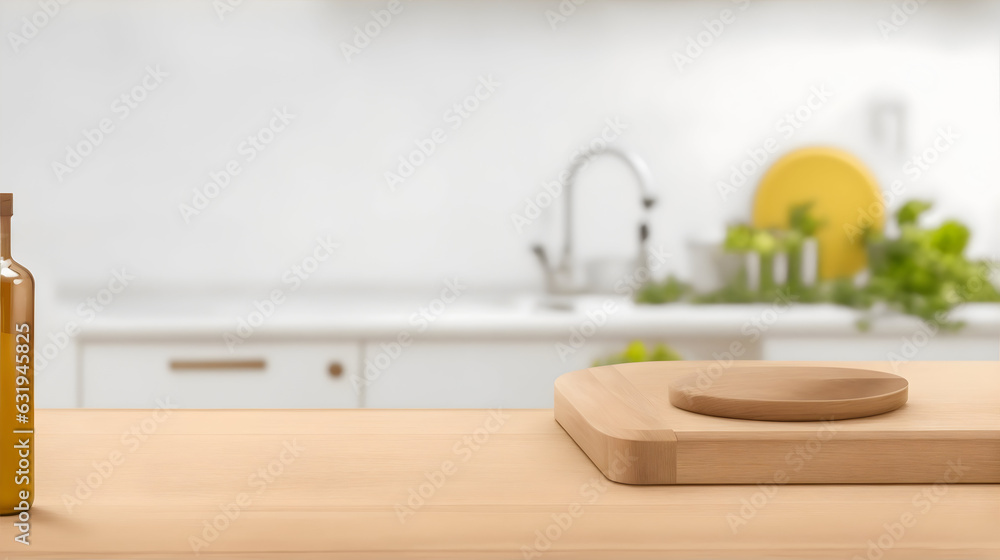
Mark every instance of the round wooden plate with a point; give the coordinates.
(792, 393)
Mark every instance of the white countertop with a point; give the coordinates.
(506, 317)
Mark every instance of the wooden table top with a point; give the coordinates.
(438, 484)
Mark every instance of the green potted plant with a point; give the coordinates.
(802, 246)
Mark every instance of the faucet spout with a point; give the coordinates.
(559, 278)
(643, 176)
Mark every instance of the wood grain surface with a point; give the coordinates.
(489, 484)
(789, 393)
(952, 418)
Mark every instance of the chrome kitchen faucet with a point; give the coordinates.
(559, 278)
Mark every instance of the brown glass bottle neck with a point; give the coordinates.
(5, 237)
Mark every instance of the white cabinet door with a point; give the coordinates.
(206, 375)
(507, 374)
(464, 374)
(917, 346)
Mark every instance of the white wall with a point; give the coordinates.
(324, 174)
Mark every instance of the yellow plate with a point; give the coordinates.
(845, 196)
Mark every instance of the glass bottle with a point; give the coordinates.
(17, 379)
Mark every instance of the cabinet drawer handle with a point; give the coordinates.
(190, 365)
(336, 369)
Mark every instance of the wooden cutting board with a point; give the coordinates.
(622, 418)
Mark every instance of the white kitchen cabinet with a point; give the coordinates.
(465, 374)
(916, 346)
(477, 374)
(205, 375)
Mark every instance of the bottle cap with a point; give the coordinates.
(6, 204)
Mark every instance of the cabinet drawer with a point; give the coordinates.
(874, 347)
(206, 375)
(463, 374)
(507, 374)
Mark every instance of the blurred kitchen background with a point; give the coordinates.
(336, 203)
